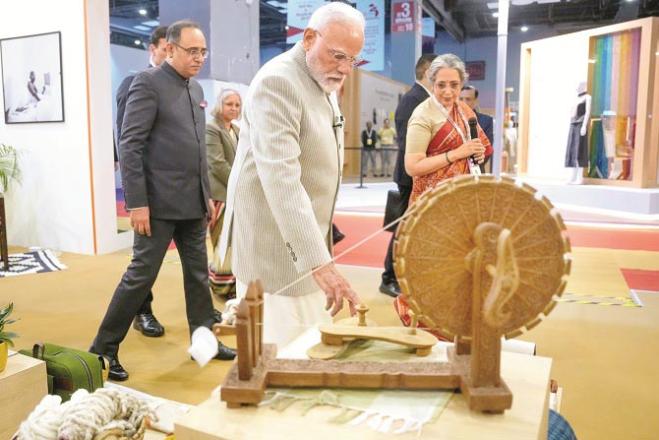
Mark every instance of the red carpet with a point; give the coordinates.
(636, 240)
(372, 252)
(356, 228)
(642, 279)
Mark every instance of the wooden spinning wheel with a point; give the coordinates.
(477, 258)
(436, 253)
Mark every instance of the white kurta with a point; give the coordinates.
(287, 317)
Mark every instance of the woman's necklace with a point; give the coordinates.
(446, 114)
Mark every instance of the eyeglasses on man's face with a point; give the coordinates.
(194, 52)
(341, 57)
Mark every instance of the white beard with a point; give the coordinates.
(329, 85)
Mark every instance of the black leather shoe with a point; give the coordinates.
(115, 370)
(217, 316)
(390, 288)
(224, 353)
(148, 325)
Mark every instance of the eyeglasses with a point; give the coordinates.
(194, 52)
(341, 57)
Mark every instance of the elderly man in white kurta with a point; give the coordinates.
(284, 182)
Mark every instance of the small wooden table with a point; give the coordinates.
(527, 377)
(22, 386)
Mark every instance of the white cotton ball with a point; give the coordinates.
(43, 421)
(79, 395)
(230, 310)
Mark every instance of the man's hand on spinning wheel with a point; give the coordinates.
(336, 289)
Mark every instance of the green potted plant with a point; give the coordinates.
(6, 338)
(9, 169)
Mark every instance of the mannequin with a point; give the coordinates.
(576, 153)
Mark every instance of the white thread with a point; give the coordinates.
(385, 426)
(84, 416)
(361, 418)
(350, 249)
(407, 424)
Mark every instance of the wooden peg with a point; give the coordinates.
(362, 309)
(415, 322)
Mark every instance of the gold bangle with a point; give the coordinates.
(447, 159)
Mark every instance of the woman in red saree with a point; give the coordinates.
(438, 145)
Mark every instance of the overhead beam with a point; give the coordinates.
(437, 10)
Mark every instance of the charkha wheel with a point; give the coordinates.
(434, 243)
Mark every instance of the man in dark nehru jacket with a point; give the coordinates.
(145, 321)
(164, 172)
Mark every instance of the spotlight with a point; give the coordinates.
(142, 11)
(524, 28)
(137, 42)
(495, 14)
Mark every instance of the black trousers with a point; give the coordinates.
(389, 275)
(146, 305)
(136, 283)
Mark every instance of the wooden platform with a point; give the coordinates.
(527, 377)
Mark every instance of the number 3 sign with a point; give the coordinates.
(402, 16)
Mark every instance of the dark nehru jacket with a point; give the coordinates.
(162, 146)
(163, 166)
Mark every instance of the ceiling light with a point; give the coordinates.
(137, 42)
(140, 27)
(495, 14)
(152, 23)
(524, 28)
(142, 11)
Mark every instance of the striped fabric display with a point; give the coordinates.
(613, 81)
(614, 78)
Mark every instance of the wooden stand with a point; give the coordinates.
(527, 376)
(256, 367)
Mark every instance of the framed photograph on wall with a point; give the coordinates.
(476, 70)
(32, 78)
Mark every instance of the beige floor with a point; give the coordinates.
(603, 356)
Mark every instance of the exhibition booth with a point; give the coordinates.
(612, 72)
(587, 137)
(66, 200)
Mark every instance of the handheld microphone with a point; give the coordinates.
(473, 131)
(473, 134)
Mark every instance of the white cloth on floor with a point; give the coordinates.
(287, 317)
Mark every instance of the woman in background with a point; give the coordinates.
(221, 141)
(438, 143)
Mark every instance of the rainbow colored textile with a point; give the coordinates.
(613, 81)
(598, 163)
